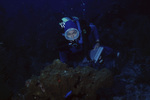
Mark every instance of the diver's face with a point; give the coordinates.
(72, 34)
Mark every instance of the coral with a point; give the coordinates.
(58, 81)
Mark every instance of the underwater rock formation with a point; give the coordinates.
(58, 81)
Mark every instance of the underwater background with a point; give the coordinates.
(28, 36)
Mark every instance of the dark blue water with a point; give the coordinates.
(29, 28)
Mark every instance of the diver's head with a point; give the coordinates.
(70, 28)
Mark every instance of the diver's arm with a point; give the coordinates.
(96, 35)
(94, 31)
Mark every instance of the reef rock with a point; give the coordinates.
(58, 81)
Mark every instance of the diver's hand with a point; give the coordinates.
(97, 45)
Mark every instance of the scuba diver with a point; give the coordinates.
(80, 42)
(80, 38)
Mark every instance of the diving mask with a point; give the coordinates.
(71, 34)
